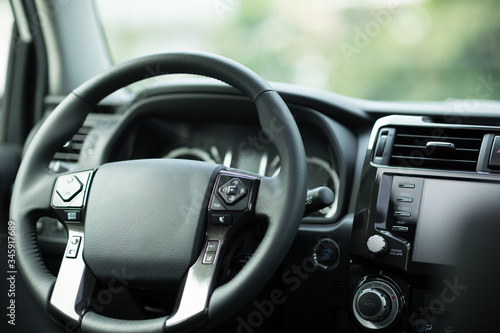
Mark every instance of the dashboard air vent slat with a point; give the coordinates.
(436, 148)
(70, 152)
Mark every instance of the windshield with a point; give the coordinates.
(381, 50)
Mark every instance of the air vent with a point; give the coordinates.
(70, 152)
(436, 148)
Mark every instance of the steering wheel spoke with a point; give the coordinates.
(74, 285)
(230, 209)
(199, 282)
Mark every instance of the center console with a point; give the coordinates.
(423, 185)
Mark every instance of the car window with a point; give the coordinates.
(374, 49)
(6, 21)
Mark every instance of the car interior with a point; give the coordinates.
(192, 189)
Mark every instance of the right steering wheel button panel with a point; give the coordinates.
(232, 191)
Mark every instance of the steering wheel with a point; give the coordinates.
(156, 222)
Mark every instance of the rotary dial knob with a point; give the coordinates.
(377, 245)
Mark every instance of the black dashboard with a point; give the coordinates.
(392, 235)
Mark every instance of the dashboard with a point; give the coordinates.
(234, 145)
(405, 191)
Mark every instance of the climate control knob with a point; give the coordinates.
(373, 304)
(376, 304)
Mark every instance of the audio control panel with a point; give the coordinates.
(404, 205)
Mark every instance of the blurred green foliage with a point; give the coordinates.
(385, 50)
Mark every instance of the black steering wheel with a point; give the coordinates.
(156, 222)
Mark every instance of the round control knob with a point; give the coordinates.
(377, 245)
(373, 305)
(376, 304)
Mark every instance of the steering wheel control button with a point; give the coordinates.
(212, 246)
(377, 245)
(68, 187)
(223, 220)
(208, 258)
(69, 191)
(232, 191)
(73, 247)
(216, 205)
(72, 216)
(210, 252)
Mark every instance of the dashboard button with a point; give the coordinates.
(402, 214)
(326, 254)
(405, 185)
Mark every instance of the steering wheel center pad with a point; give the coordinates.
(147, 217)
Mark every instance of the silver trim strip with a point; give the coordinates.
(73, 282)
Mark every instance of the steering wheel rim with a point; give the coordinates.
(280, 199)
